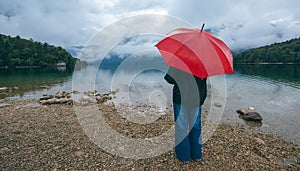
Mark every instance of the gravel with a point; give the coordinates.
(40, 137)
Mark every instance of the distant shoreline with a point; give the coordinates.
(261, 63)
(28, 67)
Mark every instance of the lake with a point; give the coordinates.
(272, 89)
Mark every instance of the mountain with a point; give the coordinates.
(75, 50)
(129, 62)
(16, 51)
(284, 52)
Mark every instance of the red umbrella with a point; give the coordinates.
(196, 52)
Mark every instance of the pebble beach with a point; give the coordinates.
(50, 137)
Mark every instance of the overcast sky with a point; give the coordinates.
(240, 24)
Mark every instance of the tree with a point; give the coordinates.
(17, 51)
(285, 52)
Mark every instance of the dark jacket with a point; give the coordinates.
(188, 89)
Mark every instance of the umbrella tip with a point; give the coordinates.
(202, 27)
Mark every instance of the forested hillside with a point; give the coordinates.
(15, 51)
(285, 52)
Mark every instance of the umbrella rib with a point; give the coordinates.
(214, 44)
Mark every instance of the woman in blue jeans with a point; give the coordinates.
(189, 94)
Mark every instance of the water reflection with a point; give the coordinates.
(284, 73)
(251, 124)
(21, 81)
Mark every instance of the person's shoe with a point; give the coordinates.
(198, 160)
(185, 162)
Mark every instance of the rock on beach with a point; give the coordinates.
(4, 89)
(249, 116)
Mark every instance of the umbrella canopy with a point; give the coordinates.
(196, 52)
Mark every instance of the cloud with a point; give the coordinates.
(241, 24)
(125, 34)
(244, 24)
(135, 45)
(64, 23)
(58, 22)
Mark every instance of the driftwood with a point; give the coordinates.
(249, 116)
(64, 97)
(56, 101)
(4, 89)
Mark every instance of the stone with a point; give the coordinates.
(4, 150)
(242, 111)
(4, 89)
(78, 153)
(2, 105)
(249, 116)
(251, 108)
(217, 104)
(45, 86)
(259, 141)
(45, 97)
(77, 102)
(252, 116)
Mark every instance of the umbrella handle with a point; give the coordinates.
(202, 27)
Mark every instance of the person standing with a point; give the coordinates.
(189, 94)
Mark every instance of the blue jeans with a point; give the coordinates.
(188, 139)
